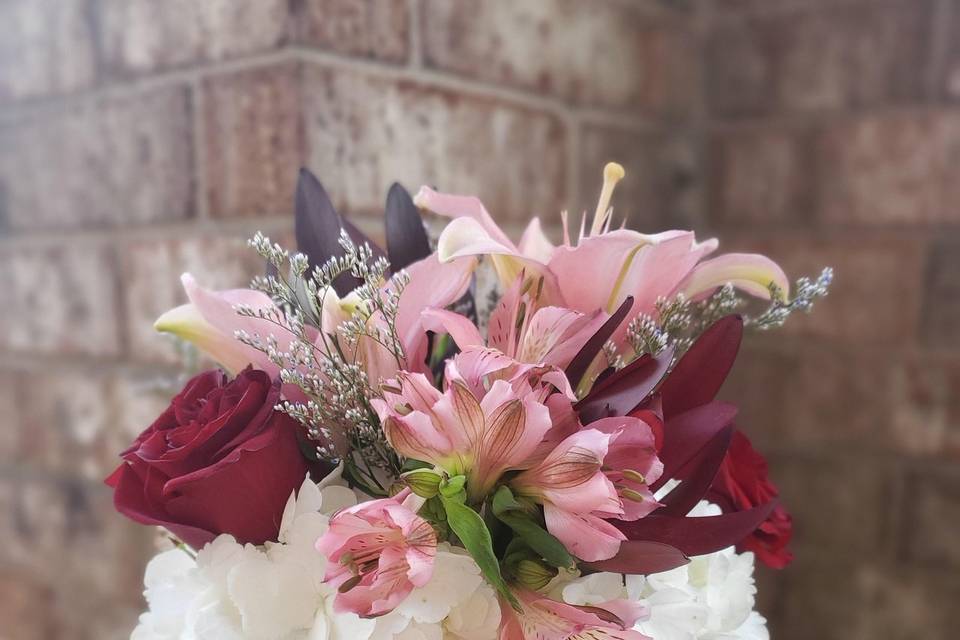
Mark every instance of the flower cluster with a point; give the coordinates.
(394, 460)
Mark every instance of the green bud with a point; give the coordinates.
(454, 486)
(423, 482)
(533, 574)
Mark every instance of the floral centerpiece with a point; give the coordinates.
(471, 440)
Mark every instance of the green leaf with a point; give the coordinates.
(512, 513)
(473, 533)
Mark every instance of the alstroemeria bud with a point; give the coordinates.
(533, 574)
(423, 482)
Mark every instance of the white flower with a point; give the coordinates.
(476, 618)
(711, 598)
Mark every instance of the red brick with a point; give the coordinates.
(60, 300)
(365, 131)
(924, 417)
(364, 28)
(47, 48)
(811, 398)
(113, 161)
(941, 310)
(760, 177)
(660, 188)
(877, 289)
(254, 140)
(599, 53)
(25, 605)
(931, 519)
(904, 604)
(152, 271)
(890, 169)
(814, 60)
(143, 36)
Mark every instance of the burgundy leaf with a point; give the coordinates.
(697, 536)
(626, 389)
(641, 557)
(317, 226)
(406, 238)
(701, 371)
(685, 435)
(697, 475)
(581, 362)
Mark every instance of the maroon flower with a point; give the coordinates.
(220, 459)
(742, 483)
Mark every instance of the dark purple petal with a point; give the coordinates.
(697, 536)
(697, 475)
(317, 227)
(626, 389)
(407, 240)
(700, 373)
(581, 362)
(686, 434)
(642, 557)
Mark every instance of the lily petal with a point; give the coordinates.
(750, 272)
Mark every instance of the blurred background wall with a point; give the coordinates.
(142, 138)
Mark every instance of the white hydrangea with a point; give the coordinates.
(712, 598)
(276, 592)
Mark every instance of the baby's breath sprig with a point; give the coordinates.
(326, 364)
(678, 322)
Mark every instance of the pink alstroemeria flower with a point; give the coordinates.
(377, 552)
(210, 321)
(576, 495)
(466, 429)
(595, 473)
(544, 618)
(527, 334)
(603, 267)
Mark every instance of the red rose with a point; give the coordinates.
(742, 483)
(220, 459)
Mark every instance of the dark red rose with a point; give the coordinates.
(220, 459)
(742, 483)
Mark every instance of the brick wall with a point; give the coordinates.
(139, 139)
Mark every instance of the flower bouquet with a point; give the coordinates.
(469, 438)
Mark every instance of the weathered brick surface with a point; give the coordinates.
(152, 270)
(60, 300)
(877, 290)
(899, 168)
(254, 140)
(806, 61)
(365, 131)
(931, 518)
(660, 188)
(143, 36)
(941, 309)
(900, 604)
(761, 177)
(112, 161)
(600, 53)
(47, 48)
(365, 28)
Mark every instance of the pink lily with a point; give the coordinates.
(210, 321)
(466, 429)
(545, 618)
(377, 552)
(604, 267)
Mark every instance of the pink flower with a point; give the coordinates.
(545, 618)
(521, 329)
(210, 320)
(377, 552)
(594, 474)
(466, 429)
(577, 497)
(603, 267)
